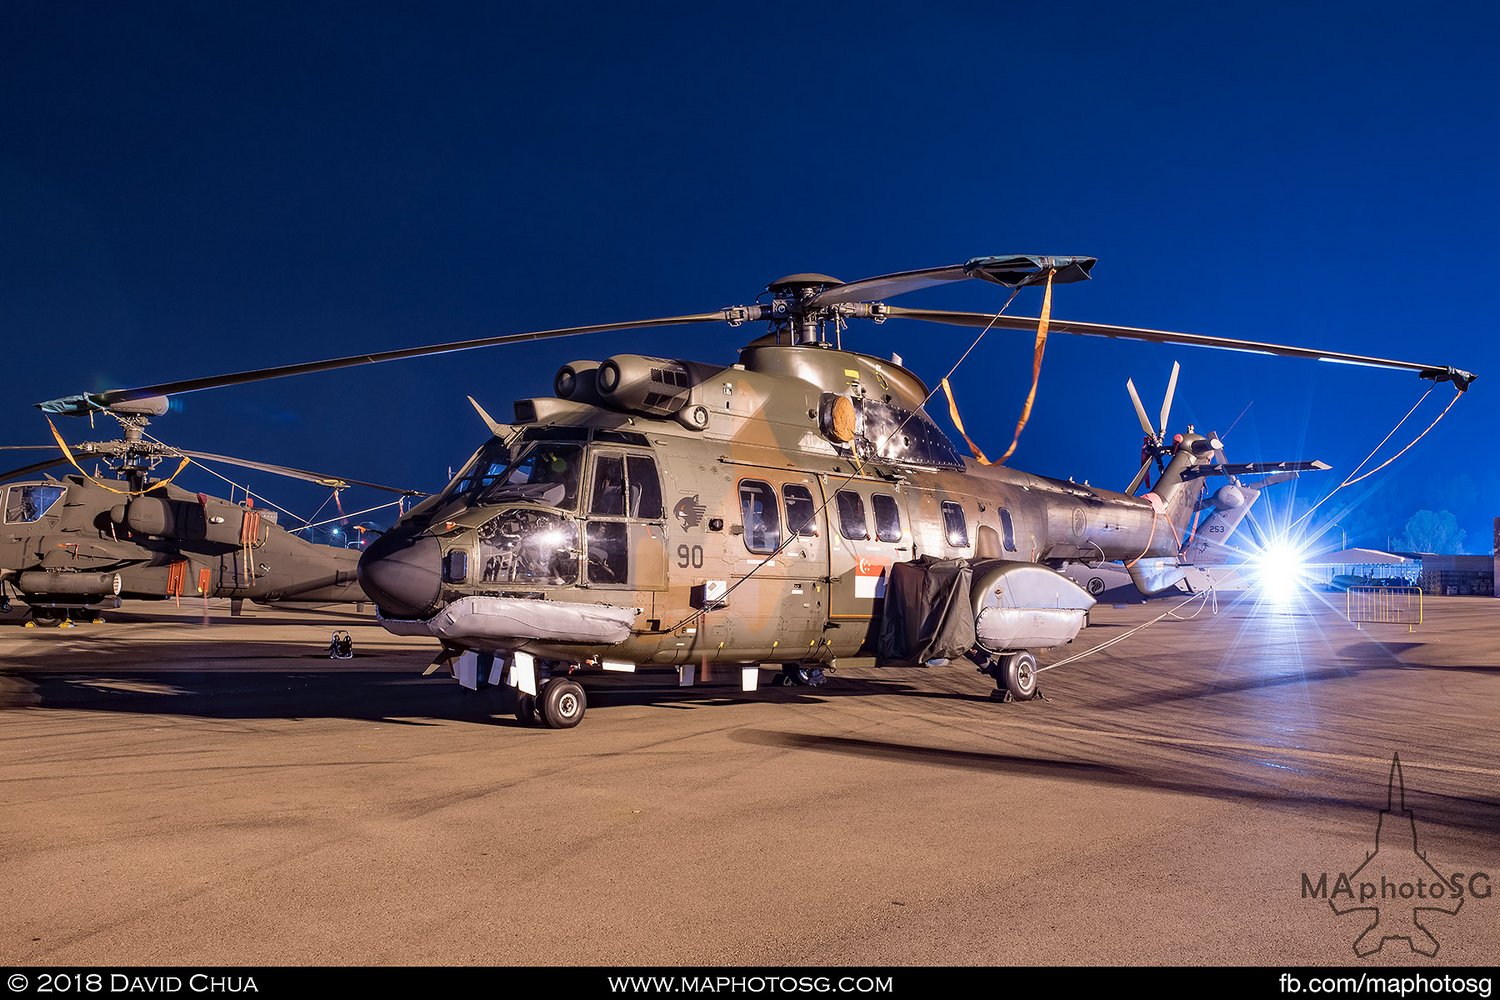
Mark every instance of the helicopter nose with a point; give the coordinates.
(402, 574)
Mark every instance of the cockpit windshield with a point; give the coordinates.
(30, 502)
(544, 471)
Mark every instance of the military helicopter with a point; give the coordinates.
(1208, 546)
(71, 544)
(793, 508)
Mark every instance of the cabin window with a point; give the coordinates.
(887, 517)
(1008, 530)
(801, 512)
(851, 507)
(24, 504)
(955, 526)
(760, 515)
(645, 488)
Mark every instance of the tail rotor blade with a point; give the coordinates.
(1140, 411)
(1166, 403)
(1140, 477)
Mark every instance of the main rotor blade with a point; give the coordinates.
(322, 479)
(1166, 402)
(1441, 373)
(1012, 271)
(86, 402)
(1140, 411)
(27, 470)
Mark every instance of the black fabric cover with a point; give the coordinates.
(928, 615)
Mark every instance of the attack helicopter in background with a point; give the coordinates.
(793, 508)
(74, 544)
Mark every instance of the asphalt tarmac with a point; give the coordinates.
(181, 787)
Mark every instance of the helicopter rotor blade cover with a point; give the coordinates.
(1012, 271)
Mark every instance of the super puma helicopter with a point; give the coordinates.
(71, 544)
(657, 512)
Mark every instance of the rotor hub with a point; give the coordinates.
(788, 312)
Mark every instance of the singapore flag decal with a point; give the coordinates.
(869, 578)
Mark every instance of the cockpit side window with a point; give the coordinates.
(645, 488)
(608, 495)
(27, 503)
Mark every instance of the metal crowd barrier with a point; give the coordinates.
(1384, 606)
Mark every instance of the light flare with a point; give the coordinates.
(1281, 571)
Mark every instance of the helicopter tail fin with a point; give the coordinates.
(1208, 545)
(1175, 495)
(1178, 490)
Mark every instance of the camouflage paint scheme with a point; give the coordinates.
(92, 534)
(804, 604)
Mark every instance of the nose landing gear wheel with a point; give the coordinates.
(562, 703)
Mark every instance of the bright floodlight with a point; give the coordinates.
(1280, 571)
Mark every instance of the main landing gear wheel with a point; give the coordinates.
(796, 675)
(526, 712)
(1016, 675)
(562, 703)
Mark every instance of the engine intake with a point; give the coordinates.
(654, 387)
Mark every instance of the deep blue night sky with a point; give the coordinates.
(194, 188)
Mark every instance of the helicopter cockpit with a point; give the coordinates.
(543, 471)
(28, 502)
(567, 499)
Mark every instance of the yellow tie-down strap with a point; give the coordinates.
(1036, 375)
(68, 452)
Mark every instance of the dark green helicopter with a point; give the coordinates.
(790, 509)
(73, 544)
